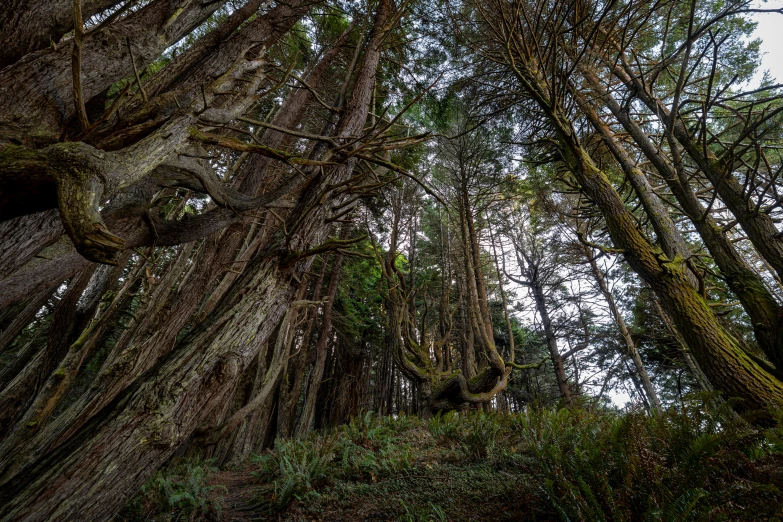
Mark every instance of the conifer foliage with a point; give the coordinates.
(226, 224)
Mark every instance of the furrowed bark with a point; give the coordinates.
(35, 94)
(21, 391)
(270, 381)
(185, 63)
(83, 477)
(28, 25)
(215, 254)
(26, 236)
(290, 394)
(22, 315)
(73, 337)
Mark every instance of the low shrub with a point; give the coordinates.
(182, 491)
(296, 468)
(678, 465)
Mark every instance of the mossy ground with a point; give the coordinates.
(540, 466)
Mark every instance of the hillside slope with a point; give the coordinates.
(540, 465)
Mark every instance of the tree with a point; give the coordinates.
(222, 346)
(516, 45)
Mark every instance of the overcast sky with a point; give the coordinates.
(770, 30)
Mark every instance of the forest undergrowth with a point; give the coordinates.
(693, 463)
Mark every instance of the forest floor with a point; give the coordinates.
(407, 475)
(538, 466)
(425, 492)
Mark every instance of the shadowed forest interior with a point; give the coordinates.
(390, 260)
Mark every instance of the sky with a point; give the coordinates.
(770, 30)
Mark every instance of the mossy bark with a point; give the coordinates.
(728, 367)
(83, 476)
(756, 299)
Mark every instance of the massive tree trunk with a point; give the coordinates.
(29, 25)
(167, 311)
(292, 391)
(26, 234)
(263, 390)
(36, 94)
(150, 419)
(83, 477)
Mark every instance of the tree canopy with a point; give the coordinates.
(229, 222)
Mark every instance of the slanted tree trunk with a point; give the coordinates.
(19, 393)
(29, 25)
(263, 392)
(292, 391)
(16, 318)
(759, 226)
(503, 300)
(756, 299)
(630, 346)
(726, 365)
(82, 477)
(37, 92)
(551, 341)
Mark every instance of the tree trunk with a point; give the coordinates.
(551, 341)
(21, 391)
(84, 476)
(723, 361)
(759, 226)
(630, 345)
(756, 299)
(38, 90)
(29, 25)
(321, 350)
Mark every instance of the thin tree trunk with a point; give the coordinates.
(504, 301)
(630, 345)
(321, 350)
(551, 342)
